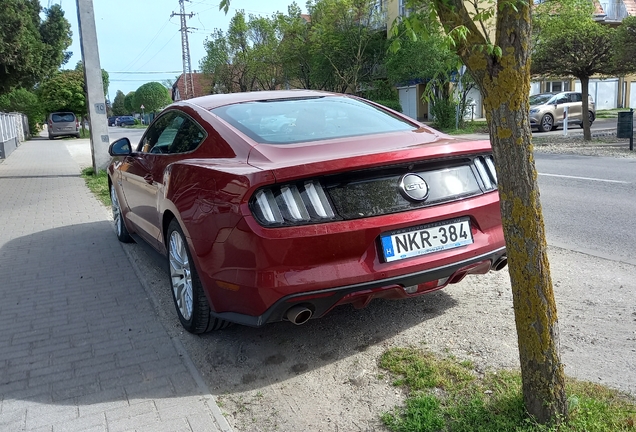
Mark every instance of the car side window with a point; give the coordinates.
(188, 136)
(172, 133)
(157, 135)
(575, 97)
(563, 99)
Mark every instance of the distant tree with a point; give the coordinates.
(297, 62)
(349, 37)
(568, 42)
(31, 49)
(119, 106)
(64, 92)
(153, 96)
(625, 46)
(129, 102)
(26, 102)
(246, 57)
(105, 77)
(430, 59)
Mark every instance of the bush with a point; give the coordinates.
(444, 113)
(25, 102)
(393, 104)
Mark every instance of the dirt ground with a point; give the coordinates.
(324, 375)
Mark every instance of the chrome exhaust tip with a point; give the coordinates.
(299, 315)
(500, 264)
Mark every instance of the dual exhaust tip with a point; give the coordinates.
(299, 315)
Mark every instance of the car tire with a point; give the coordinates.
(592, 118)
(187, 292)
(120, 227)
(547, 123)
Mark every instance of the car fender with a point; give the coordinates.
(206, 199)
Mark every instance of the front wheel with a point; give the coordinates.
(187, 292)
(546, 123)
(591, 117)
(120, 226)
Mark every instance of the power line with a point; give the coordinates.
(130, 65)
(160, 49)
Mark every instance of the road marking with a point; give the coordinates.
(585, 178)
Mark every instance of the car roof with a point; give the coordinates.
(216, 100)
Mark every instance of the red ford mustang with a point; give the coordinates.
(281, 205)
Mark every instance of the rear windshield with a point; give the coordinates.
(286, 121)
(63, 118)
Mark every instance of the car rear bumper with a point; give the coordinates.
(320, 302)
(251, 271)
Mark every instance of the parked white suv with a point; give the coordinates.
(546, 110)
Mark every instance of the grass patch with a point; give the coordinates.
(98, 184)
(447, 395)
(609, 113)
(467, 128)
(137, 126)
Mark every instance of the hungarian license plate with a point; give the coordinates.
(425, 239)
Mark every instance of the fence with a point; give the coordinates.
(14, 128)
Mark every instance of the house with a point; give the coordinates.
(202, 84)
(411, 92)
(614, 92)
(607, 92)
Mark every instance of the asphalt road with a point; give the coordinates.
(588, 204)
(599, 124)
(133, 134)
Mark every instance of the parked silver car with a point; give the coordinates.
(63, 124)
(546, 110)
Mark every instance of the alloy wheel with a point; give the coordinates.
(180, 275)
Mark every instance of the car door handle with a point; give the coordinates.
(148, 178)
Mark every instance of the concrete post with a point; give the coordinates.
(94, 87)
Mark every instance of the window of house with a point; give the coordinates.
(557, 86)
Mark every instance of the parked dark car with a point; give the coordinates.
(280, 205)
(125, 121)
(62, 124)
(112, 121)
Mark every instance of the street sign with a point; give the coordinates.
(142, 107)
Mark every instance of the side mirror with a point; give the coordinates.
(121, 147)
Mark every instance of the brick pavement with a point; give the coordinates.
(81, 347)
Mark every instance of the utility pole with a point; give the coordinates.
(185, 51)
(94, 86)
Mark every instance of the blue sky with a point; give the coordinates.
(137, 36)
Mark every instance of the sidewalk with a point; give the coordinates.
(81, 347)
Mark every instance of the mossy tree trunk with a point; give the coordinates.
(502, 71)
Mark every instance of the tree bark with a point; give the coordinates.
(504, 80)
(585, 88)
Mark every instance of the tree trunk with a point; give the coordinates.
(504, 79)
(585, 88)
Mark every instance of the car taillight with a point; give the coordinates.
(292, 204)
(486, 168)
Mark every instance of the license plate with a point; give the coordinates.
(425, 239)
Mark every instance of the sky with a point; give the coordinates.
(139, 42)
